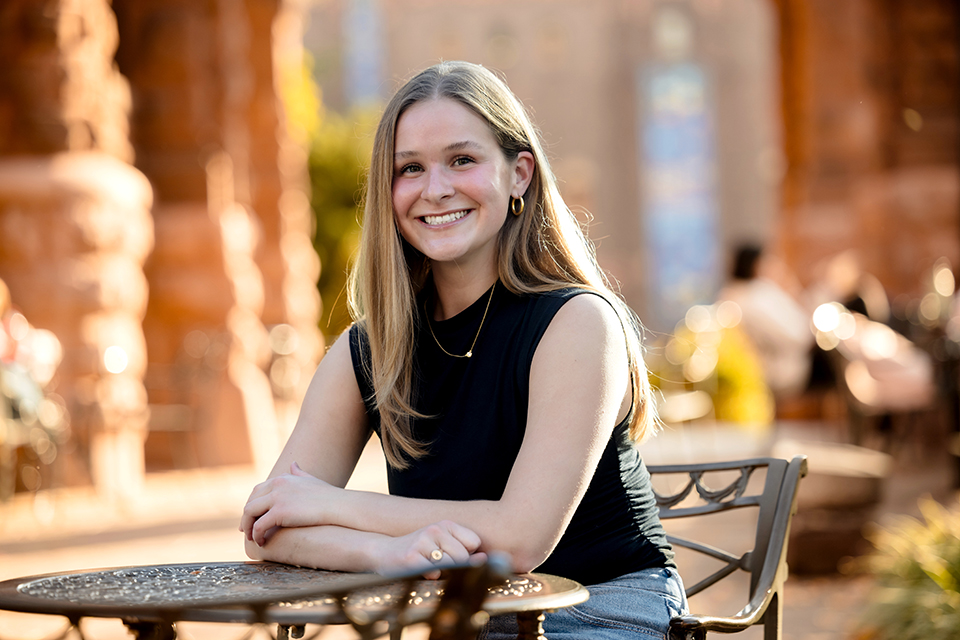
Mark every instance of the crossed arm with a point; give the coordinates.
(579, 389)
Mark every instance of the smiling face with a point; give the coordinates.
(452, 184)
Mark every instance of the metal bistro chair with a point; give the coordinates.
(765, 562)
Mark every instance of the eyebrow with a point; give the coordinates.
(456, 146)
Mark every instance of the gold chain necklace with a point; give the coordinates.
(469, 353)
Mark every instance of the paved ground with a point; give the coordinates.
(185, 517)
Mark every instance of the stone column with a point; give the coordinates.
(208, 347)
(279, 195)
(233, 257)
(75, 225)
(74, 231)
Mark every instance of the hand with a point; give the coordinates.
(418, 550)
(295, 499)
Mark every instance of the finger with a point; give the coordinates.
(429, 540)
(250, 515)
(441, 556)
(248, 530)
(438, 538)
(260, 489)
(263, 525)
(466, 537)
(431, 568)
(259, 533)
(296, 470)
(431, 544)
(476, 559)
(452, 549)
(427, 547)
(251, 512)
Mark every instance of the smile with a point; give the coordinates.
(445, 218)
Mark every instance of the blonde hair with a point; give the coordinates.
(542, 250)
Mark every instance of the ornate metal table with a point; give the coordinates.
(150, 599)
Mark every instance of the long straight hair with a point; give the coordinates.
(542, 250)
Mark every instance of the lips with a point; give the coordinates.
(434, 221)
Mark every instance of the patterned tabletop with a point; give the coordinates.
(244, 591)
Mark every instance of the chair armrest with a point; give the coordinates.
(773, 573)
(683, 626)
(747, 617)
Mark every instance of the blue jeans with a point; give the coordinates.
(635, 603)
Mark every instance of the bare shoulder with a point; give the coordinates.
(586, 315)
(581, 366)
(334, 381)
(585, 329)
(338, 359)
(339, 353)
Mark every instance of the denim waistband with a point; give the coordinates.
(642, 602)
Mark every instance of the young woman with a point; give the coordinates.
(502, 375)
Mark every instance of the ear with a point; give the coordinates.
(523, 173)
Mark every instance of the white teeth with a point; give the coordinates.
(449, 217)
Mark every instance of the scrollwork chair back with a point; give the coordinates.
(765, 562)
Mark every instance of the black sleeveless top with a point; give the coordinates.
(478, 409)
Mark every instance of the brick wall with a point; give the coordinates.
(870, 104)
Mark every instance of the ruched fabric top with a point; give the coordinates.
(478, 413)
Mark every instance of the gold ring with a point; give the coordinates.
(436, 555)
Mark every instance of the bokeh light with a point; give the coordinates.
(729, 314)
(826, 317)
(879, 342)
(833, 323)
(699, 319)
(115, 359)
(943, 281)
(930, 308)
(284, 339)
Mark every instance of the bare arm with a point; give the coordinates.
(329, 436)
(340, 549)
(332, 429)
(579, 389)
(327, 440)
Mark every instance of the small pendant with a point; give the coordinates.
(469, 354)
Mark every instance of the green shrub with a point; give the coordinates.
(339, 152)
(917, 567)
(339, 156)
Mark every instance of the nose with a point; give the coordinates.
(438, 185)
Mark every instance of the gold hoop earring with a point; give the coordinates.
(513, 206)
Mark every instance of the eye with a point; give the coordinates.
(461, 161)
(409, 168)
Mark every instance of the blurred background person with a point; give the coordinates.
(772, 319)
